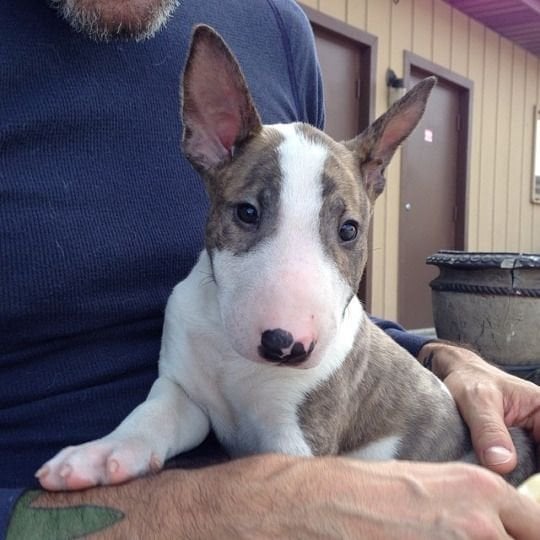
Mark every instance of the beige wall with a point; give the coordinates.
(500, 215)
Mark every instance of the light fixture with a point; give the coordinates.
(396, 87)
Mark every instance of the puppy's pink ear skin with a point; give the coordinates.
(376, 145)
(217, 109)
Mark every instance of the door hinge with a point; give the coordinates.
(455, 216)
(358, 89)
(458, 122)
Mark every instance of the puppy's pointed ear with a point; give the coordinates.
(376, 145)
(217, 110)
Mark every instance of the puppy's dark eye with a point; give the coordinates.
(348, 231)
(247, 213)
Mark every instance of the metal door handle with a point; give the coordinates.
(408, 206)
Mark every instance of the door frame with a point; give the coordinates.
(367, 48)
(465, 88)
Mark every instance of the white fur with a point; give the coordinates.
(380, 450)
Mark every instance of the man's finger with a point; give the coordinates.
(483, 413)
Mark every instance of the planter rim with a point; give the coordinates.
(483, 259)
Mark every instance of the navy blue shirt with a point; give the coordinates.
(101, 215)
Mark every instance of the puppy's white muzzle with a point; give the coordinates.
(287, 316)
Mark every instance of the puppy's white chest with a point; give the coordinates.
(251, 418)
(251, 407)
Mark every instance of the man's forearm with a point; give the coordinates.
(144, 508)
(221, 501)
(275, 496)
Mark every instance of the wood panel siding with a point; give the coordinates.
(499, 214)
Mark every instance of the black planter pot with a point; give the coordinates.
(490, 301)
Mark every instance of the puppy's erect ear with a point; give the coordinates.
(376, 145)
(217, 110)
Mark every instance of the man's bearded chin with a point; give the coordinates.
(104, 20)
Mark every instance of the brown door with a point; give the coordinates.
(340, 60)
(428, 210)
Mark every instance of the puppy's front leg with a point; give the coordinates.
(167, 423)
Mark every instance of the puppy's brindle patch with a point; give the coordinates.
(254, 176)
(355, 389)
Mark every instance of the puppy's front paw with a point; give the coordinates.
(106, 461)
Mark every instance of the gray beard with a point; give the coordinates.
(105, 20)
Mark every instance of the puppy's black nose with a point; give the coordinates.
(279, 346)
(274, 341)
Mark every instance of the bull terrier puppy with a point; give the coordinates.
(265, 341)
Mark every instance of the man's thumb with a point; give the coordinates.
(493, 444)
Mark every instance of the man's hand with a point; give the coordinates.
(288, 497)
(489, 400)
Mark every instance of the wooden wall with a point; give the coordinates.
(499, 212)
